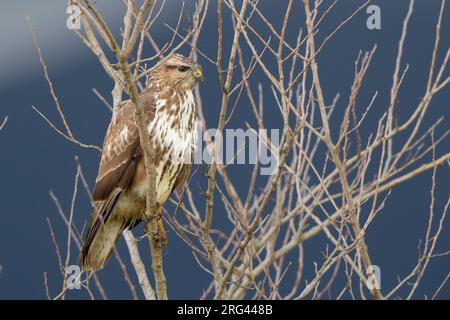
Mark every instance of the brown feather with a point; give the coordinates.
(121, 152)
(101, 211)
(119, 192)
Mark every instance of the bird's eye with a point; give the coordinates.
(183, 68)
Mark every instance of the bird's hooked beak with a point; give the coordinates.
(198, 74)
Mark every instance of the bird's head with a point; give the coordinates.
(180, 71)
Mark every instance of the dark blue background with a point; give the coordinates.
(34, 159)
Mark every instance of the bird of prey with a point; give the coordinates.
(119, 192)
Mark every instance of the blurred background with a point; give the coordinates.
(34, 159)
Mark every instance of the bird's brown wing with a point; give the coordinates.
(121, 151)
(120, 155)
(183, 176)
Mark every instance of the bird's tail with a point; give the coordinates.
(104, 230)
(96, 252)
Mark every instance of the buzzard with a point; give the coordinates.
(119, 192)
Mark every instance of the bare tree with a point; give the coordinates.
(326, 182)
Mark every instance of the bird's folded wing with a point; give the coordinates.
(121, 152)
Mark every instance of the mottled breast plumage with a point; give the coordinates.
(173, 133)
